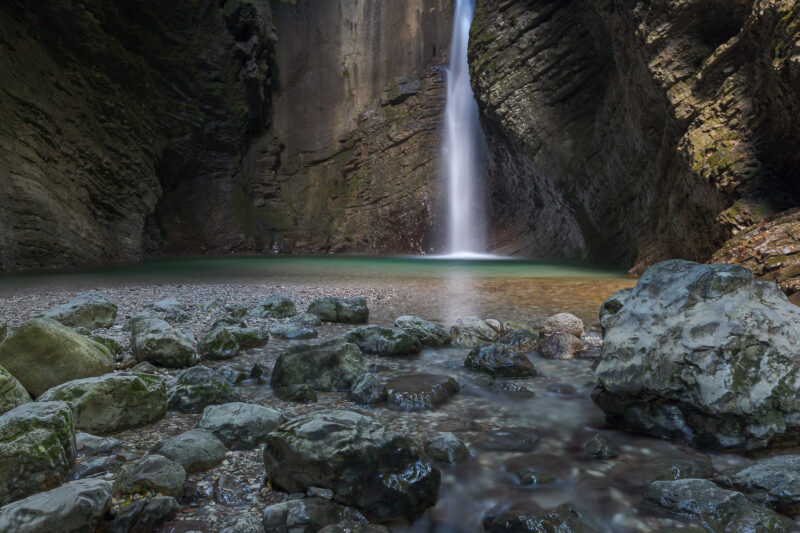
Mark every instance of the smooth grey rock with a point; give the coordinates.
(346, 310)
(499, 361)
(89, 445)
(703, 353)
(43, 353)
(37, 448)
(143, 515)
(327, 366)
(292, 331)
(153, 472)
(511, 439)
(197, 387)
(379, 340)
(12, 393)
(560, 345)
(567, 518)
(717, 509)
(195, 450)
(154, 340)
(76, 507)
(112, 402)
(562, 322)
(469, 332)
(306, 515)
(447, 448)
(772, 481)
(171, 309)
(382, 473)
(418, 392)
(428, 333)
(368, 390)
(90, 310)
(277, 306)
(240, 426)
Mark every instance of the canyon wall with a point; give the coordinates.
(630, 132)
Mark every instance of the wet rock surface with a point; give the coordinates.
(469, 332)
(277, 306)
(329, 365)
(379, 340)
(447, 448)
(240, 426)
(154, 472)
(428, 333)
(345, 310)
(156, 341)
(90, 310)
(416, 392)
(306, 515)
(368, 390)
(500, 360)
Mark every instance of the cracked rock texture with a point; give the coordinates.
(631, 132)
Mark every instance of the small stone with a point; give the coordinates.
(304, 516)
(599, 447)
(345, 310)
(240, 426)
(447, 448)
(144, 515)
(96, 466)
(771, 481)
(560, 345)
(243, 523)
(562, 389)
(417, 392)
(196, 450)
(154, 472)
(12, 393)
(232, 375)
(516, 389)
(171, 309)
(469, 332)
(154, 340)
(512, 439)
(368, 390)
(307, 319)
(292, 331)
(521, 340)
(523, 518)
(327, 366)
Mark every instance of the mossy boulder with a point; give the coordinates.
(37, 448)
(292, 331)
(499, 360)
(470, 331)
(91, 310)
(3, 329)
(112, 402)
(706, 354)
(197, 387)
(327, 366)
(345, 310)
(419, 392)
(154, 340)
(43, 353)
(382, 473)
(12, 393)
(380, 340)
(171, 309)
(225, 340)
(428, 333)
(277, 306)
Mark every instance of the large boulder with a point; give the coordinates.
(382, 473)
(499, 360)
(380, 340)
(91, 310)
(112, 402)
(43, 353)
(195, 450)
(12, 393)
(428, 333)
(197, 387)
(154, 340)
(706, 354)
(717, 509)
(240, 426)
(470, 331)
(76, 507)
(37, 448)
(153, 472)
(346, 310)
(328, 366)
(277, 306)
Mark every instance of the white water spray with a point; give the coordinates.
(463, 146)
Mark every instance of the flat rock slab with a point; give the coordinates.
(511, 439)
(428, 333)
(417, 392)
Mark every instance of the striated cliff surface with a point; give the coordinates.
(631, 132)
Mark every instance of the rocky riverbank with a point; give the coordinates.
(252, 407)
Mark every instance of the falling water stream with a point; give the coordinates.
(463, 146)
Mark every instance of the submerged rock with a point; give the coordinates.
(225, 340)
(703, 353)
(112, 402)
(43, 353)
(773, 481)
(306, 515)
(195, 450)
(195, 388)
(522, 340)
(240, 426)
(346, 310)
(382, 473)
(153, 472)
(447, 448)
(37, 448)
(277, 306)
(427, 333)
(155, 341)
(12, 393)
(379, 340)
(469, 332)
(566, 518)
(717, 509)
(91, 310)
(560, 345)
(74, 507)
(327, 366)
(417, 392)
(499, 360)
(368, 390)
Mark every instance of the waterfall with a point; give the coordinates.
(463, 148)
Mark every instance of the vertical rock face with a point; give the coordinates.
(636, 131)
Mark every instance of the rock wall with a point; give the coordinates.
(631, 132)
